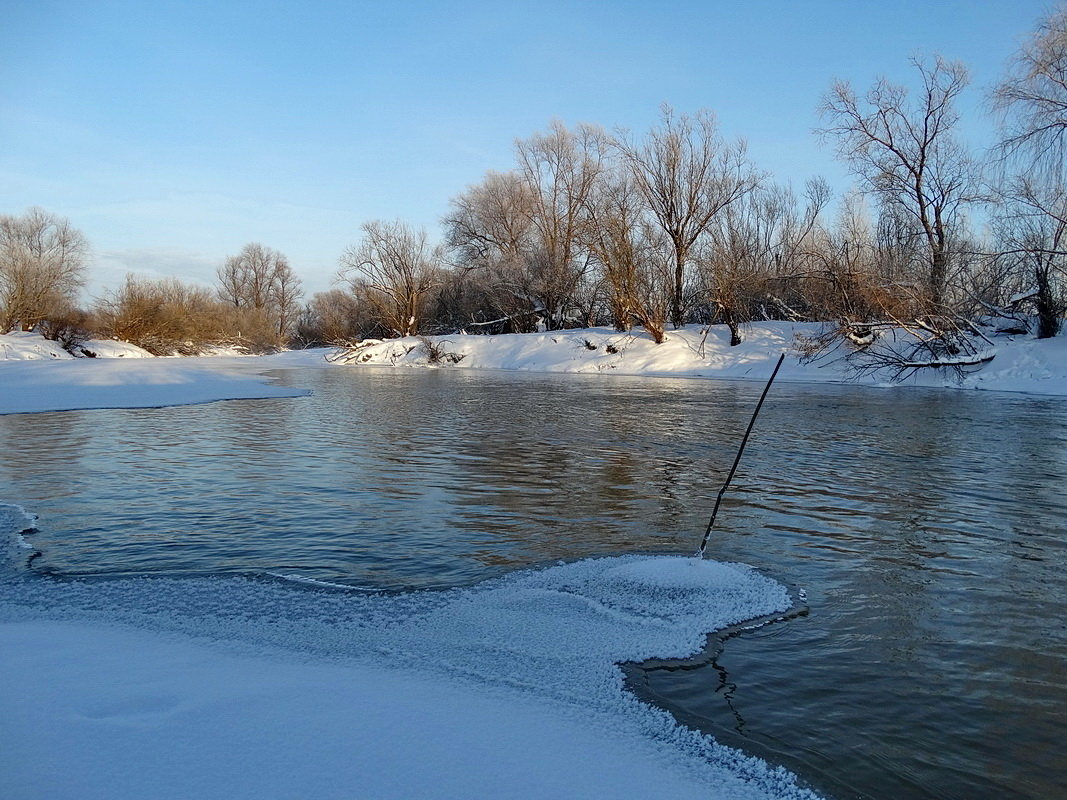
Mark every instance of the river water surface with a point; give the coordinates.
(922, 530)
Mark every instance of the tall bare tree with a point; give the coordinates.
(631, 253)
(904, 152)
(394, 269)
(1032, 99)
(260, 282)
(559, 168)
(1032, 212)
(42, 268)
(687, 174)
(489, 229)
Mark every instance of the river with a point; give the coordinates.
(921, 530)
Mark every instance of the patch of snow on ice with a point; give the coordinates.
(35, 385)
(518, 671)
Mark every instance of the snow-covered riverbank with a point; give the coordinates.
(38, 375)
(235, 688)
(1021, 364)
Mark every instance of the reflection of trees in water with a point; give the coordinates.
(583, 466)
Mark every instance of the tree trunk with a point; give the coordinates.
(1048, 310)
(938, 274)
(677, 299)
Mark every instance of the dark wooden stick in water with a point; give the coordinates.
(737, 460)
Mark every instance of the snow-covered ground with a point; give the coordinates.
(235, 688)
(239, 688)
(1021, 364)
(144, 715)
(39, 375)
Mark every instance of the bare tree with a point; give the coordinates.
(559, 169)
(42, 268)
(334, 317)
(1033, 246)
(687, 174)
(1032, 208)
(905, 153)
(285, 294)
(755, 255)
(523, 230)
(260, 283)
(394, 269)
(1032, 100)
(489, 229)
(631, 253)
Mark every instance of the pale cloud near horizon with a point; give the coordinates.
(189, 235)
(109, 268)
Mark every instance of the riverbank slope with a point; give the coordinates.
(1019, 363)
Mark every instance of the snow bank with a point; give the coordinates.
(1021, 364)
(67, 384)
(29, 346)
(110, 348)
(258, 688)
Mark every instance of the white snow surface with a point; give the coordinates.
(257, 688)
(1021, 363)
(110, 348)
(38, 375)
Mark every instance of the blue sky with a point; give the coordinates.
(174, 133)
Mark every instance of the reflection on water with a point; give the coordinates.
(926, 527)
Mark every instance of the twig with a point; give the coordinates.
(737, 459)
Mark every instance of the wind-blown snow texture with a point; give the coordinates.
(259, 688)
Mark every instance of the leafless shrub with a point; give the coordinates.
(167, 317)
(71, 329)
(437, 353)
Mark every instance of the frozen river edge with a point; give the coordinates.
(237, 688)
(36, 375)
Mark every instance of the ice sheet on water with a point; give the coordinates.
(15, 523)
(557, 634)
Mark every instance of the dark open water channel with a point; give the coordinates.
(927, 529)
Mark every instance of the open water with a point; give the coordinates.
(923, 531)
